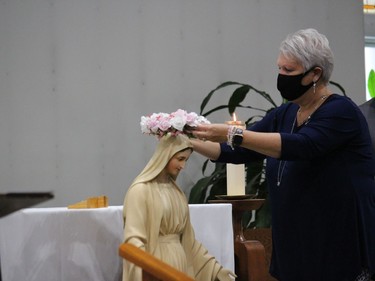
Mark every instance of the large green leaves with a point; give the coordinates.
(238, 96)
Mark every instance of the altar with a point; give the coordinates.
(58, 244)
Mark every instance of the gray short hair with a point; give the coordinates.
(310, 48)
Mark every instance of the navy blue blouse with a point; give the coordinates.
(323, 209)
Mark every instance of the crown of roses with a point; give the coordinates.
(175, 123)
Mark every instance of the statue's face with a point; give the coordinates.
(177, 163)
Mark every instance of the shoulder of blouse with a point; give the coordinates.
(342, 105)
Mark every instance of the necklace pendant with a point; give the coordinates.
(278, 183)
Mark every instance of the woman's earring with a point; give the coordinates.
(314, 87)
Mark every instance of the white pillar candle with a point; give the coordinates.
(235, 179)
(236, 172)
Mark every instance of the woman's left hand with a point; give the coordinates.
(211, 132)
(225, 275)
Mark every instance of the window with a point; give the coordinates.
(369, 15)
(369, 59)
(369, 6)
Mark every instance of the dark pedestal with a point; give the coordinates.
(250, 255)
(11, 202)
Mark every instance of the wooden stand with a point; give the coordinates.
(250, 255)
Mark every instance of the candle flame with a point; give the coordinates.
(234, 116)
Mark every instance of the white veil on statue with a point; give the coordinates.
(168, 146)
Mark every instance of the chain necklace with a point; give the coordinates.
(321, 101)
(282, 164)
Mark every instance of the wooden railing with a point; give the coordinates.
(153, 269)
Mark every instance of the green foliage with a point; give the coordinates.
(216, 183)
(338, 86)
(236, 98)
(371, 83)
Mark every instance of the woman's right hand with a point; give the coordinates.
(211, 132)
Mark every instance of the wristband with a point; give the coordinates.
(237, 137)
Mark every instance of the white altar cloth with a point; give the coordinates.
(60, 244)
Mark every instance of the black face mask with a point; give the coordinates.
(290, 86)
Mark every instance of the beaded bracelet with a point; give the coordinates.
(231, 132)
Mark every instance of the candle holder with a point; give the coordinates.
(235, 197)
(250, 255)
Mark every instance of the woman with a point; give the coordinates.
(320, 168)
(156, 215)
